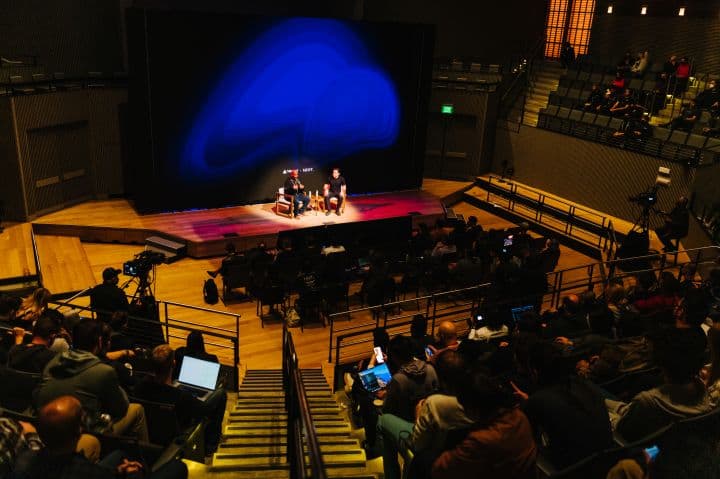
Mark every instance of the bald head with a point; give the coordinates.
(60, 424)
(447, 334)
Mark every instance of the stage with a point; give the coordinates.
(207, 231)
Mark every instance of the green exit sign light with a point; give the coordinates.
(447, 109)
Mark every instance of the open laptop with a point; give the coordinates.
(376, 378)
(198, 377)
(518, 312)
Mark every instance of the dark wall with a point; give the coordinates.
(468, 134)
(591, 174)
(67, 148)
(662, 36)
(491, 31)
(71, 36)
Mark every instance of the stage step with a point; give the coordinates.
(172, 249)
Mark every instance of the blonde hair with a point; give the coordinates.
(32, 306)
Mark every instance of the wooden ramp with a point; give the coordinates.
(64, 265)
(16, 252)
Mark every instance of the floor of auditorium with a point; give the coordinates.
(182, 282)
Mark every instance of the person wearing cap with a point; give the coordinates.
(107, 297)
(295, 188)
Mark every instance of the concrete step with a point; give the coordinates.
(254, 456)
(232, 430)
(232, 461)
(278, 441)
(281, 450)
(259, 423)
(325, 393)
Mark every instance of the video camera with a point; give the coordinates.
(646, 199)
(142, 263)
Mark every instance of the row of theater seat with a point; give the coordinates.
(668, 144)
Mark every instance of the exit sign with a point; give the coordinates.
(447, 109)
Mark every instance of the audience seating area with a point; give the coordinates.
(566, 114)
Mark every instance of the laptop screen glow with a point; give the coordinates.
(376, 378)
(197, 372)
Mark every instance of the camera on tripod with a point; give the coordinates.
(646, 199)
(143, 262)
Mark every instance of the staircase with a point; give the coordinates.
(255, 435)
(545, 78)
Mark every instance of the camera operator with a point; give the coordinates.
(677, 223)
(107, 297)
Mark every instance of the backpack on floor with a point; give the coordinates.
(210, 292)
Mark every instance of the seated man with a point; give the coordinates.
(80, 372)
(680, 354)
(595, 98)
(107, 297)
(435, 417)
(500, 443)
(584, 428)
(677, 223)
(335, 188)
(188, 409)
(687, 118)
(33, 357)
(60, 424)
(231, 257)
(447, 339)
(295, 188)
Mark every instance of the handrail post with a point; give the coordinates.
(236, 353)
(167, 326)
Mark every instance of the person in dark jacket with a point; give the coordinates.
(566, 412)
(79, 372)
(107, 297)
(412, 380)
(677, 223)
(194, 347)
(188, 409)
(499, 445)
(33, 357)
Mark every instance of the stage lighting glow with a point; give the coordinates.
(305, 88)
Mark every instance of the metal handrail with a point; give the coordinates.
(299, 418)
(169, 324)
(598, 273)
(606, 238)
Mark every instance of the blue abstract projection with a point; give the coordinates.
(303, 88)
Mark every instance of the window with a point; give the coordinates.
(569, 20)
(555, 27)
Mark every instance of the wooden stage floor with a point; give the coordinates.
(207, 231)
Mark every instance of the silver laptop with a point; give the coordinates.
(198, 377)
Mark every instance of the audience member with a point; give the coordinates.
(413, 379)
(677, 224)
(711, 372)
(679, 353)
(107, 297)
(188, 409)
(595, 98)
(32, 306)
(194, 347)
(567, 55)
(499, 445)
(419, 336)
(486, 327)
(60, 424)
(435, 418)
(34, 356)
(16, 439)
(80, 372)
(687, 118)
(446, 339)
(231, 257)
(584, 428)
(641, 63)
